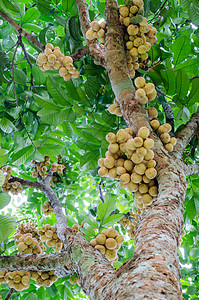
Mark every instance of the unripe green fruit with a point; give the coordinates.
(151, 173)
(124, 11)
(136, 20)
(101, 239)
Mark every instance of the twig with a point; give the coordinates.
(23, 32)
(100, 190)
(159, 10)
(8, 50)
(12, 70)
(27, 58)
(80, 53)
(22, 220)
(9, 294)
(26, 8)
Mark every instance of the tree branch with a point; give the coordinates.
(192, 169)
(9, 294)
(80, 53)
(100, 190)
(47, 190)
(96, 50)
(60, 262)
(23, 32)
(188, 132)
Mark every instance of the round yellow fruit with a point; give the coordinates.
(109, 162)
(140, 169)
(111, 243)
(136, 178)
(143, 188)
(101, 239)
(103, 171)
(111, 233)
(101, 248)
(125, 178)
(124, 11)
(165, 128)
(136, 158)
(133, 187)
(95, 26)
(153, 191)
(148, 143)
(140, 94)
(151, 173)
(149, 155)
(143, 132)
(168, 147)
(155, 124)
(138, 141)
(152, 112)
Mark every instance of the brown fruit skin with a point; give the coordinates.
(111, 243)
(101, 239)
(111, 233)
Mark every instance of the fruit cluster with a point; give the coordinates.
(47, 208)
(162, 130)
(28, 240)
(42, 167)
(43, 278)
(77, 228)
(98, 31)
(48, 234)
(18, 280)
(26, 244)
(2, 276)
(114, 109)
(130, 160)
(53, 59)
(131, 225)
(14, 187)
(145, 91)
(108, 242)
(138, 36)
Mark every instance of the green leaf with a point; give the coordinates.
(91, 221)
(20, 77)
(111, 220)
(67, 128)
(88, 231)
(194, 14)
(45, 103)
(191, 209)
(58, 94)
(105, 209)
(22, 155)
(32, 14)
(4, 200)
(3, 157)
(181, 49)
(2, 178)
(7, 225)
(194, 252)
(32, 296)
(89, 160)
(8, 6)
(82, 96)
(169, 81)
(194, 94)
(182, 84)
(190, 66)
(5, 59)
(6, 125)
(38, 76)
(51, 150)
(74, 29)
(51, 116)
(154, 52)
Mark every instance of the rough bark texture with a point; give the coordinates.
(96, 50)
(23, 32)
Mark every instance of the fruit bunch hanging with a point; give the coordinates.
(108, 242)
(14, 187)
(47, 208)
(53, 59)
(44, 166)
(48, 234)
(18, 280)
(98, 31)
(44, 278)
